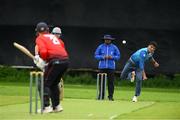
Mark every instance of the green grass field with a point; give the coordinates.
(80, 103)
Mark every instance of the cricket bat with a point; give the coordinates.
(23, 49)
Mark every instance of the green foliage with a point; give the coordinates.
(8, 74)
(163, 81)
(80, 79)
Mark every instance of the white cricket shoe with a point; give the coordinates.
(48, 109)
(58, 108)
(134, 99)
(133, 76)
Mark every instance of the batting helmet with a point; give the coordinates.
(41, 27)
(56, 30)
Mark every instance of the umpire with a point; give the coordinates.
(107, 53)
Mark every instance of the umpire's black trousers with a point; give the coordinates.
(110, 81)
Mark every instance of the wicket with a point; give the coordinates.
(36, 76)
(101, 85)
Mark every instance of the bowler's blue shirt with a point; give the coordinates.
(140, 56)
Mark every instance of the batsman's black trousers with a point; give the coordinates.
(110, 81)
(53, 73)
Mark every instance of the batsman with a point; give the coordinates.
(51, 50)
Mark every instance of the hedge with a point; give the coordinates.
(8, 74)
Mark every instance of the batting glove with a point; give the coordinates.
(36, 59)
(40, 63)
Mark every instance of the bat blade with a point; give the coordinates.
(24, 50)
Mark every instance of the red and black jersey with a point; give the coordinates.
(49, 47)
